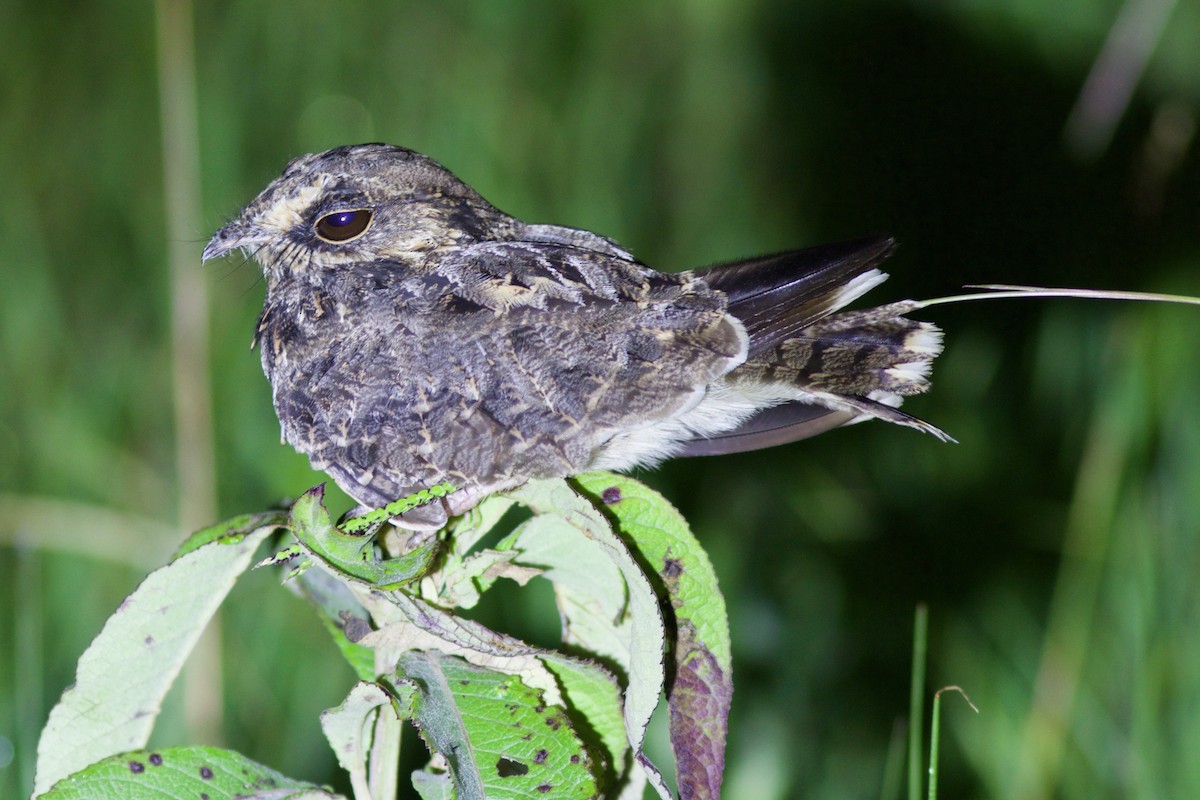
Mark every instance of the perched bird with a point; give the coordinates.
(415, 334)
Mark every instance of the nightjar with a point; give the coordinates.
(413, 334)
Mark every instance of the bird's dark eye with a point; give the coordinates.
(342, 226)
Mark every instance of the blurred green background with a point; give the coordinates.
(1057, 545)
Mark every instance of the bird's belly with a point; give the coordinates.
(383, 441)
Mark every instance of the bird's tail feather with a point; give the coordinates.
(869, 353)
(844, 368)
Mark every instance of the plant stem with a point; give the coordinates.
(916, 699)
(194, 458)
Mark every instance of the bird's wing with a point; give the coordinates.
(777, 296)
(589, 342)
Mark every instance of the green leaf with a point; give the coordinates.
(350, 729)
(702, 690)
(575, 543)
(589, 588)
(590, 693)
(350, 554)
(425, 627)
(593, 701)
(433, 785)
(177, 772)
(464, 575)
(232, 529)
(499, 737)
(462, 586)
(476, 523)
(122, 677)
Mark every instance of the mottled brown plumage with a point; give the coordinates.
(413, 334)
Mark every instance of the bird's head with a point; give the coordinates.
(361, 203)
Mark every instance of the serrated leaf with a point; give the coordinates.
(476, 523)
(654, 777)
(499, 737)
(462, 576)
(592, 694)
(207, 772)
(433, 785)
(353, 554)
(700, 695)
(662, 536)
(589, 588)
(122, 677)
(644, 640)
(462, 586)
(350, 729)
(428, 628)
(231, 529)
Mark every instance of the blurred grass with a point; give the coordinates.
(1057, 545)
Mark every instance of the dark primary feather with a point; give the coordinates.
(776, 296)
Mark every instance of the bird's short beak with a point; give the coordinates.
(229, 238)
